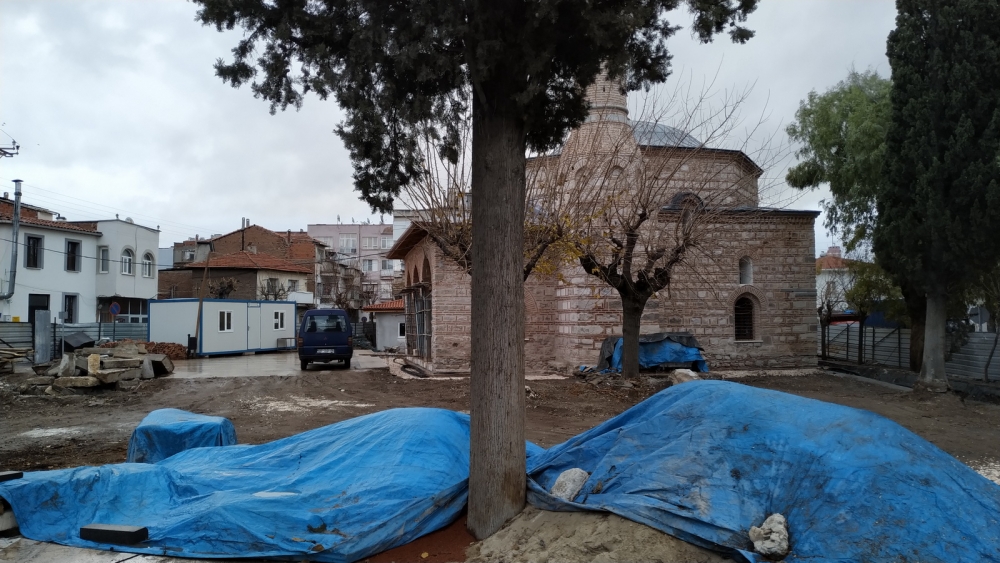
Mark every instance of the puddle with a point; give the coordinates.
(301, 404)
(989, 468)
(49, 432)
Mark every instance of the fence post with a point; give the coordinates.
(873, 345)
(899, 347)
(848, 353)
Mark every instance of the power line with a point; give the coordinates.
(91, 207)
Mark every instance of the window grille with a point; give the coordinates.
(744, 319)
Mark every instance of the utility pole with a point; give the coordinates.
(11, 150)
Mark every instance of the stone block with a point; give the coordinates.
(120, 363)
(56, 391)
(85, 381)
(127, 384)
(93, 363)
(146, 371)
(40, 380)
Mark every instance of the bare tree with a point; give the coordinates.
(649, 193)
(223, 288)
(442, 195)
(272, 290)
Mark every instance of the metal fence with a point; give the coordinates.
(19, 335)
(891, 347)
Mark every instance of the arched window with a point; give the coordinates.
(147, 265)
(127, 259)
(746, 271)
(743, 313)
(426, 274)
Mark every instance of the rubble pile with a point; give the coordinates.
(87, 369)
(169, 349)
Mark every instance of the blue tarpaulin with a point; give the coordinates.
(661, 349)
(702, 461)
(666, 351)
(165, 432)
(337, 493)
(705, 460)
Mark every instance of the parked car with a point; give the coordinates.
(325, 336)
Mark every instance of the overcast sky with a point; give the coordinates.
(117, 110)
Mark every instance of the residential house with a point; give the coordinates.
(748, 296)
(294, 247)
(832, 280)
(256, 277)
(77, 269)
(390, 324)
(364, 247)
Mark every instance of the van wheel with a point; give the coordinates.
(304, 365)
(347, 364)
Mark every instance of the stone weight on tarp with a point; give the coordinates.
(77, 340)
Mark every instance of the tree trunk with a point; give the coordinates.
(497, 474)
(916, 309)
(986, 370)
(932, 374)
(632, 308)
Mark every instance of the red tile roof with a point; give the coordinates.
(396, 305)
(62, 225)
(829, 262)
(249, 261)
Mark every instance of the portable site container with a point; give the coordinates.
(228, 326)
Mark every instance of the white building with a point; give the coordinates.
(76, 269)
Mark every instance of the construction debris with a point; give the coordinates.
(110, 366)
(771, 539)
(9, 355)
(569, 483)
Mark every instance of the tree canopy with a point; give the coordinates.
(401, 70)
(842, 134)
(940, 206)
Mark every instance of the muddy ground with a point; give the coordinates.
(43, 432)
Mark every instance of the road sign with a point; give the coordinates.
(115, 308)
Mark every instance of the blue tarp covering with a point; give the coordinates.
(702, 461)
(666, 351)
(337, 493)
(165, 432)
(705, 460)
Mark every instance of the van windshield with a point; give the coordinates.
(325, 323)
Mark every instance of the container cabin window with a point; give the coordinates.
(279, 320)
(147, 265)
(743, 312)
(73, 255)
(127, 259)
(402, 330)
(103, 259)
(225, 321)
(33, 252)
(746, 271)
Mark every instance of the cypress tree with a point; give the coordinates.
(939, 212)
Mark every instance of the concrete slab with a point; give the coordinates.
(274, 363)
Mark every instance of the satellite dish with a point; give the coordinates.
(129, 220)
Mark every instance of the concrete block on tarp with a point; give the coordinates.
(110, 533)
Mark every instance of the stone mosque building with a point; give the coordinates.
(748, 296)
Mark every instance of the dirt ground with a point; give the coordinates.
(43, 432)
